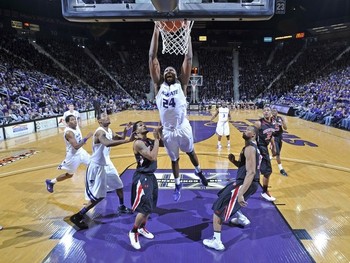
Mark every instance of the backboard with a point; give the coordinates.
(143, 10)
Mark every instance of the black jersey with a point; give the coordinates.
(242, 171)
(278, 122)
(144, 165)
(266, 132)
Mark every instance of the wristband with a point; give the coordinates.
(84, 140)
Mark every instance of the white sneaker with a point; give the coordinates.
(213, 243)
(240, 219)
(268, 197)
(134, 240)
(143, 231)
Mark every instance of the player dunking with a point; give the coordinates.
(171, 101)
(266, 131)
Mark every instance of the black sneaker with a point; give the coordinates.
(202, 177)
(77, 220)
(283, 172)
(122, 209)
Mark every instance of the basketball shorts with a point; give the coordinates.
(265, 166)
(278, 145)
(113, 178)
(144, 193)
(96, 182)
(223, 128)
(226, 204)
(72, 162)
(178, 139)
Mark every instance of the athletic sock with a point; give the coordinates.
(134, 229)
(280, 167)
(177, 181)
(217, 235)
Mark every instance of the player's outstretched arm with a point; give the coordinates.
(153, 62)
(186, 67)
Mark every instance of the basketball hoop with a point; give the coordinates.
(175, 36)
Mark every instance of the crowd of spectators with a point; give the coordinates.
(38, 85)
(325, 100)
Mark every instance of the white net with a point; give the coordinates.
(175, 36)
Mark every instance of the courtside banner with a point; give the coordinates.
(91, 114)
(83, 116)
(2, 134)
(19, 130)
(46, 124)
(60, 121)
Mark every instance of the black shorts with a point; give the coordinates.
(226, 198)
(144, 193)
(278, 145)
(265, 166)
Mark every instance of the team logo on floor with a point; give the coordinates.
(16, 156)
(216, 179)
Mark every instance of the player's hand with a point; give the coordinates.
(157, 132)
(231, 157)
(241, 201)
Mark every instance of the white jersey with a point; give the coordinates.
(78, 137)
(172, 105)
(100, 153)
(223, 114)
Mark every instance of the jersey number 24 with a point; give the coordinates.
(167, 103)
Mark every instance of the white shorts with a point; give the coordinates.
(223, 128)
(113, 180)
(72, 162)
(96, 182)
(178, 139)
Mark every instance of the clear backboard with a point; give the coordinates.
(144, 10)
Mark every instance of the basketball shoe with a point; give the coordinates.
(122, 209)
(268, 197)
(240, 219)
(283, 172)
(177, 192)
(77, 219)
(214, 243)
(143, 231)
(202, 177)
(134, 240)
(49, 185)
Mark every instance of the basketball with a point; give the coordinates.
(171, 26)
